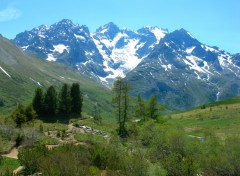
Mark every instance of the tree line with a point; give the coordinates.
(67, 101)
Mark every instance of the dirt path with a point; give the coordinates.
(19, 169)
(70, 127)
(12, 154)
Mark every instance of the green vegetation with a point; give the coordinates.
(76, 99)
(65, 103)
(222, 119)
(75, 134)
(5, 144)
(27, 73)
(89, 138)
(23, 114)
(8, 165)
(153, 107)
(234, 100)
(121, 104)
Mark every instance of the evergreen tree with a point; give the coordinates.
(76, 99)
(50, 101)
(38, 101)
(19, 116)
(153, 107)
(140, 108)
(30, 113)
(121, 103)
(64, 100)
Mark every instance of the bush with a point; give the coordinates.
(21, 114)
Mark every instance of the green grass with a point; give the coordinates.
(89, 138)
(8, 164)
(222, 119)
(234, 100)
(23, 68)
(45, 140)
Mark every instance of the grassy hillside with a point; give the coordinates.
(21, 74)
(222, 118)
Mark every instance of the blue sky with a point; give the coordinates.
(213, 22)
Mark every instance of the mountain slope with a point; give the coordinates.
(66, 43)
(185, 73)
(102, 56)
(20, 74)
(182, 71)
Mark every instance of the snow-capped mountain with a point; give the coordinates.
(103, 55)
(182, 71)
(185, 73)
(124, 49)
(66, 43)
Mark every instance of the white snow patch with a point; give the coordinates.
(104, 30)
(208, 48)
(42, 36)
(190, 34)
(51, 58)
(189, 50)
(167, 67)
(217, 95)
(225, 60)
(140, 45)
(60, 48)
(159, 34)
(198, 77)
(62, 77)
(117, 38)
(87, 53)
(167, 44)
(25, 47)
(152, 46)
(192, 62)
(206, 66)
(102, 52)
(126, 55)
(85, 63)
(107, 43)
(80, 37)
(35, 81)
(6, 73)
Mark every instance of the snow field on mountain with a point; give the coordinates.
(60, 48)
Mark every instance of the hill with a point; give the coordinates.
(221, 118)
(21, 74)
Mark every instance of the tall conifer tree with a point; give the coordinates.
(76, 99)
(38, 101)
(121, 103)
(50, 101)
(64, 100)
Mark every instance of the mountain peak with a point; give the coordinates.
(110, 28)
(65, 21)
(182, 32)
(182, 38)
(159, 33)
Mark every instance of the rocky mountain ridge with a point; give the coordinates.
(181, 70)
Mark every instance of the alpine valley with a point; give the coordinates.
(175, 66)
